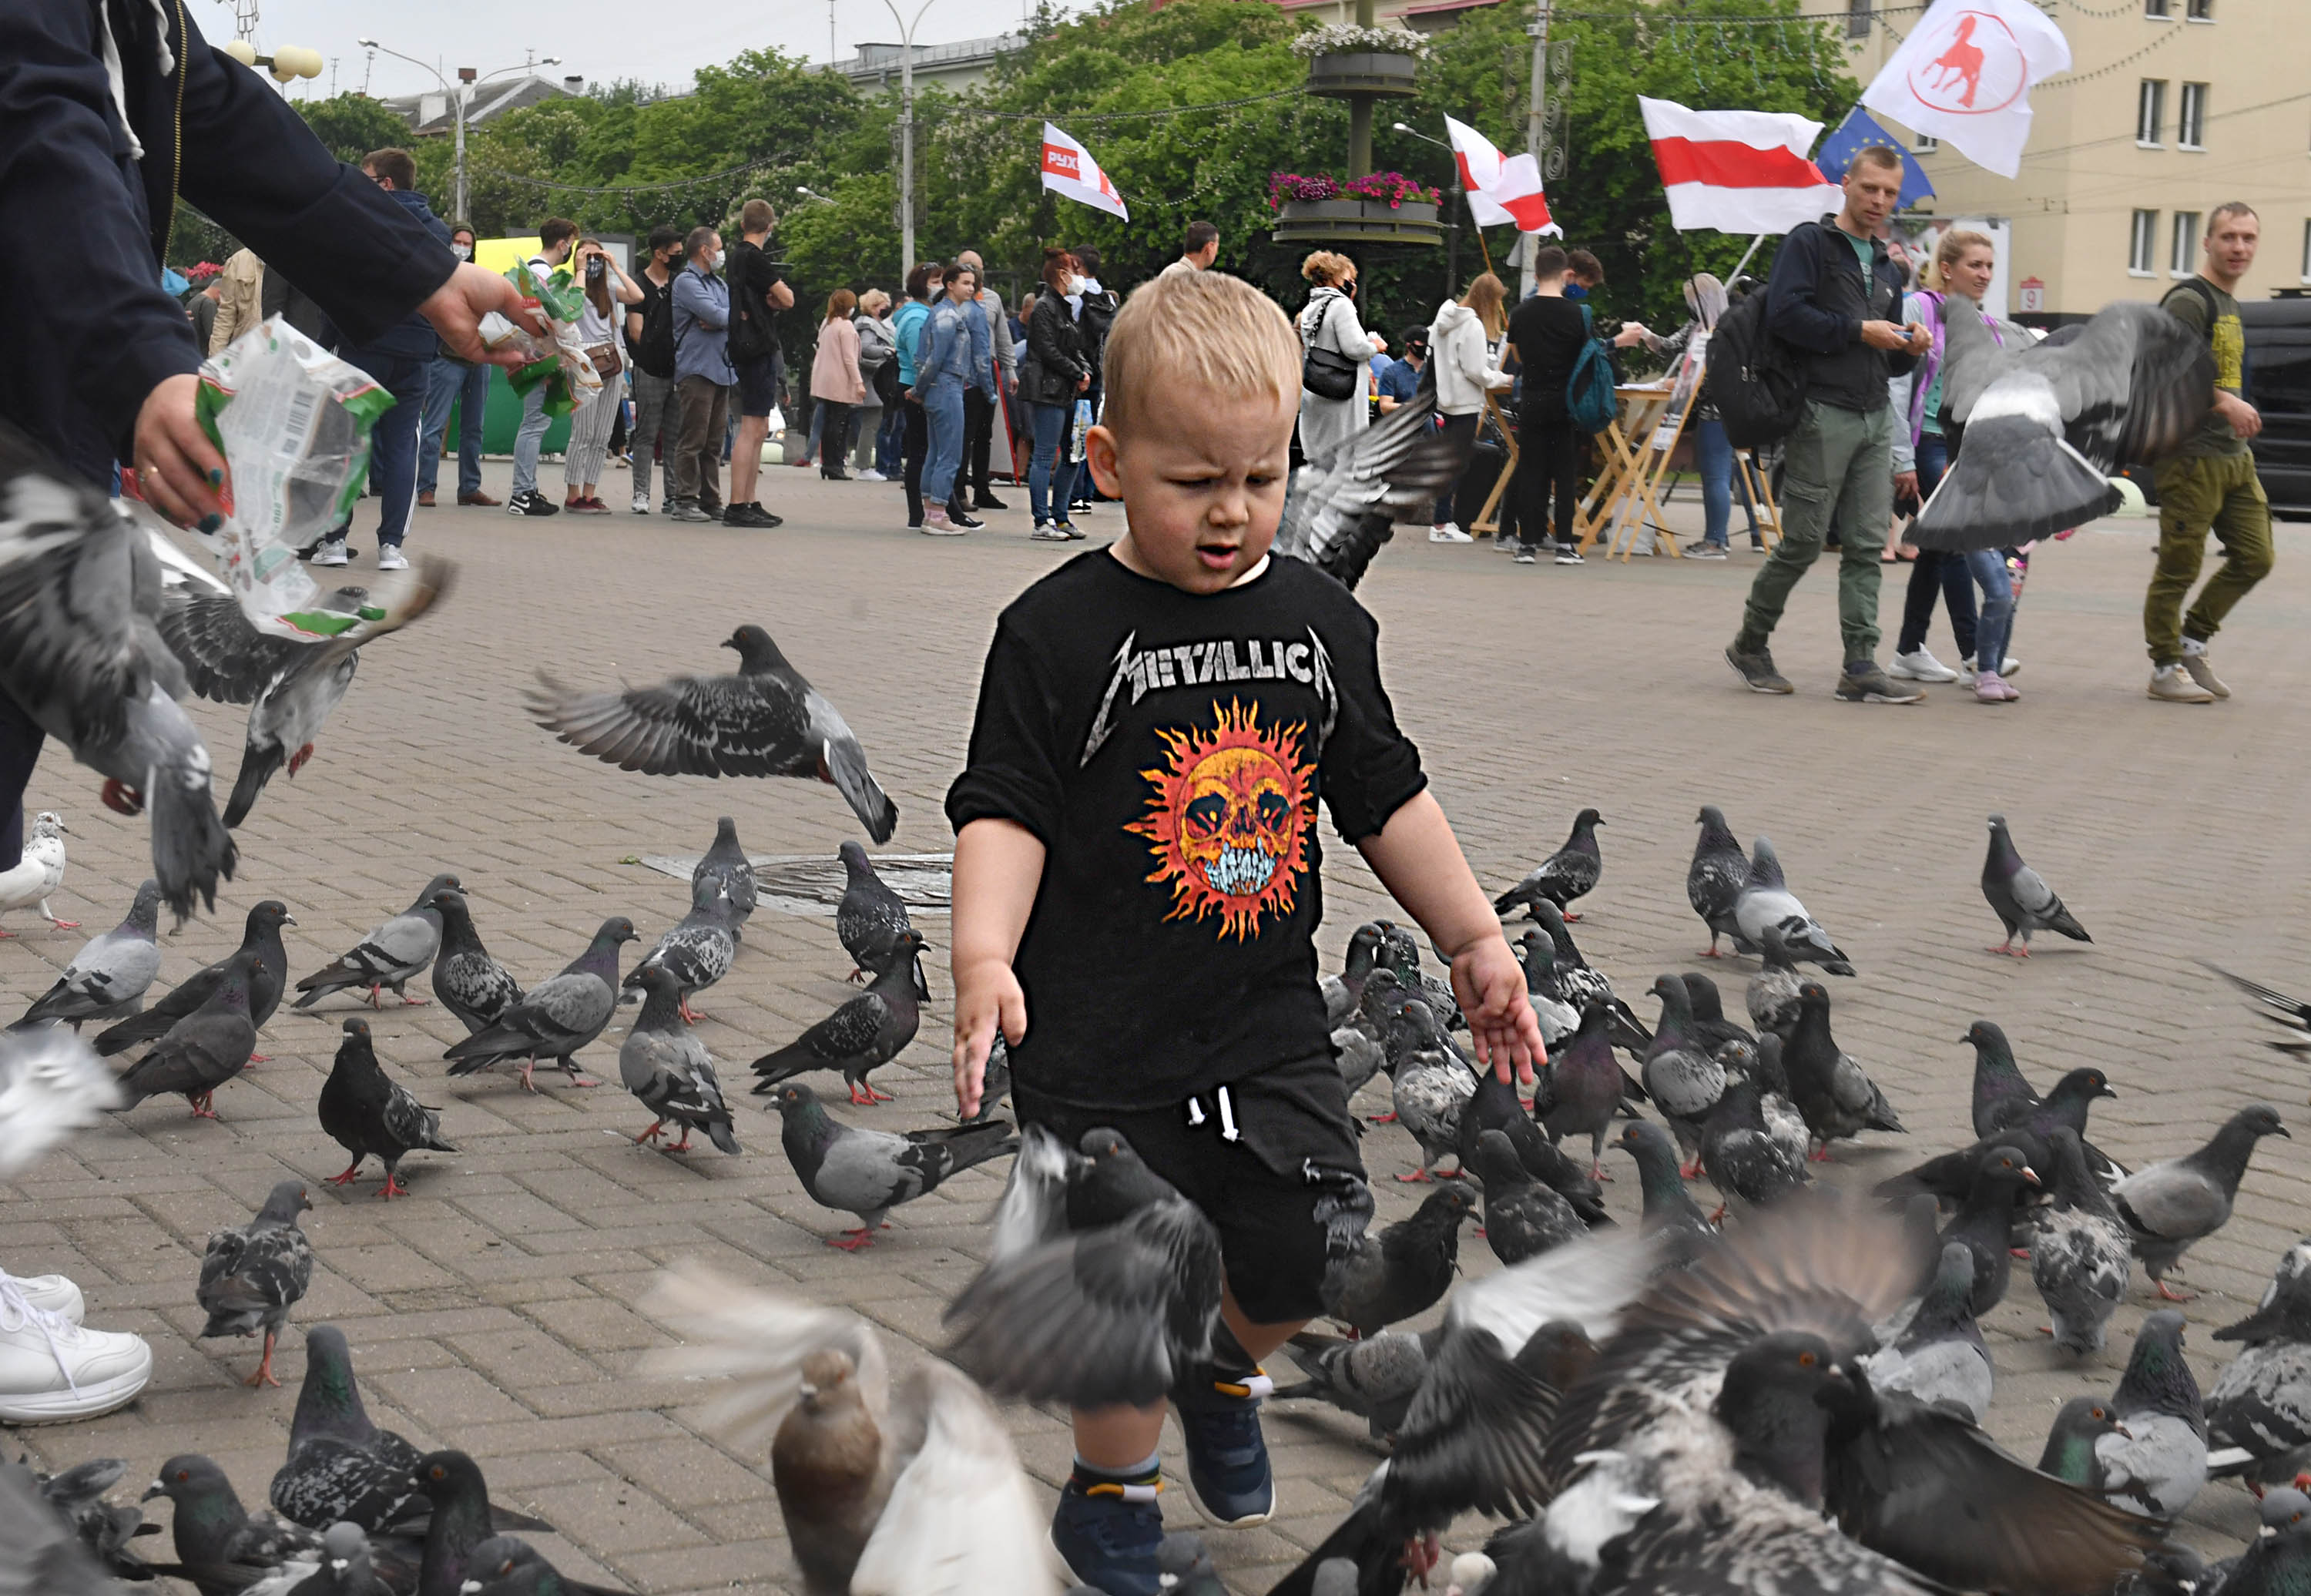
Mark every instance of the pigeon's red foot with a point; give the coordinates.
(62, 925)
(2170, 1295)
(375, 1001)
(1597, 1172)
(1568, 917)
(863, 1095)
(1819, 1155)
(690, 1017)
(1421, 1557)
(392, 1188)
(257, 1059)
(1719, 1216)
(409, 1002)
(577, 1079)
(853, 1240)
(2021, 1252)
(649, 1136)
(346, 1179)
(202, 1108)
(684, 1144)
(1691, 1172)
(1416, 1177)
(264, 1375)
(297, 760)
(1709, 953)
(856, 975)
(122, 799)
(1387, 1119)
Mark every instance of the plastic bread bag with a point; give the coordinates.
(559, 300)
(294, 421)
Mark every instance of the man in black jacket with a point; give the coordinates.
(1834, 294)
(101, 366)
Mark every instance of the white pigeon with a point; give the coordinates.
(951, 1514)
(39, 873)
(51, 1084)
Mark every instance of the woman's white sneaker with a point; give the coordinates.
(52, 1293)
(52, 1370)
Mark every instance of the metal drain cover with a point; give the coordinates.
(813, 883)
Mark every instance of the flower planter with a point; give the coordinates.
(1373, 72)
(1360, 221)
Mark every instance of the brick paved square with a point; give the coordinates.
(494, 1308)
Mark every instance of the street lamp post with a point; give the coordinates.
(461, 97)
(1453, 243)
(907, 131)
(288, 61)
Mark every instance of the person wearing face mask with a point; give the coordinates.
(1051, 377)
(952, 355)
(703, 377)
(467, 386)
(556, 237)
(650, 340)
(1329, 322)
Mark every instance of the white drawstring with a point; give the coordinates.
(15, 1306)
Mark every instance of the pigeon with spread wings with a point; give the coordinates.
(1343, 506)
(2045, 424)
(766, 721)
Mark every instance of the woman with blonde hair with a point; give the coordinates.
(1334, 343)
(835, 382)
(1964, 263)
(1461, 353)
(605, 287)
(878, 365)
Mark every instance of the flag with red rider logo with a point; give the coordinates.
(1070, 170)
(1965, 75)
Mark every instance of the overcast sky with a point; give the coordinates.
(601, 38)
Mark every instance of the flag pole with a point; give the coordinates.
(1737, 265)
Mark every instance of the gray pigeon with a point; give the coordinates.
(1986, 1221)
(2046, 424)
(698, 951)
(2022, 901)
(2259, 1414)
(1940, 1357)
(1522, 1218)
(1718, 875)
(82, 654)
(2159, 1462)
(1838, 1100)
(1739, 1151)
(341, 1467)
(77, 1494)
(1185, 1567)
(1343, 992)
(2169, 1205)
(292, 687)
(2080, 1253)
(1359, 1057)
(107, 977)
(1571, 872)
(1767, 901)
(2291, 1014)
(864, 1033)
(261, 935)
(870, 1173)
(559, 1018)
(1670, 1212)
(1680, 1076)
(870, 917)
(766, 721)
(1344, 506)
(727, 863)
(1772, 995)
(253, 1274)
(1374, 1377)
(469, 982)
(1405, 1269)
(392, 955)
(40, 1555)
(222, 1544)
(203, 1051)
(1431, 1087)
(508, 1565)
(2078, 1430)
(667, 1069)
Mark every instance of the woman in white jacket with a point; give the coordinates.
(1329, 321)
(1459, 348)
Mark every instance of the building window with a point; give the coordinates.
(2150, 111)
(1857, 19)
(2183, 254)
(2191, 117)
(2142, 243)
(2203, 11)
(1924, 143)
(2155, 8)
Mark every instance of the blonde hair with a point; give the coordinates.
(1485, 295)
(874, 302)
(1952, 249)
(1326, 269)
(1191, 335)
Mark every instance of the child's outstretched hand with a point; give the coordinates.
(1489, 983)
(987, 995)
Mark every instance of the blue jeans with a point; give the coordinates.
(529, 440)
(1936, 572)
(393, 440)
(469, 387)
(887, 440)
(1995, 628)
(1051, 479)
(1714, 456)
(943, 409)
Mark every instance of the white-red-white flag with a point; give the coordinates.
(1738, 171)
(1501, 189)
(1070, 170)
(1965, 74)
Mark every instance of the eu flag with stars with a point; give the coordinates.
(1847, 139)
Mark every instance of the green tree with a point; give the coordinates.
(350, 126)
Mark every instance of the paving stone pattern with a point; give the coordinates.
(495, 1309)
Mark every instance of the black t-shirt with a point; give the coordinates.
(1548, 335)
(1168, 750)
(751, 275)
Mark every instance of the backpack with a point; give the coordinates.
(655, 353)
(1753, 378)
(1589, 398)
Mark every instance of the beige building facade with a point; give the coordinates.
(2171, 108)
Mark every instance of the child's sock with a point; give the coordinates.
(1138, 1483)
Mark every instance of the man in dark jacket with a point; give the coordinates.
(102, 365)
(401, 358)
(1834, 294)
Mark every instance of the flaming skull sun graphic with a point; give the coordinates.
(1228, 820)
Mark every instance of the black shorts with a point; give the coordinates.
(1286, 1192)
(758, 385)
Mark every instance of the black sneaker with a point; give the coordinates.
(969, 523)
(1229, 1479)
(987, 501)
(1863, 682)
(1756, 667)
(750, 515)
(1108, 1533)
(532, 504)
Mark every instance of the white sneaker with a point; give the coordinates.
(1046, 532)
(391, 558)
(1921, 665)
(52, 1293)
(642, 504)
(332, 551)
(870, 474)
(1447, 532)
(52, 1370)
(937, 525)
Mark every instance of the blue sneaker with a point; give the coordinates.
(1108, 1533)
(1229, 1479)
